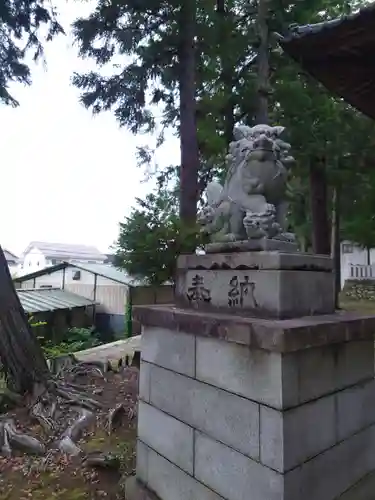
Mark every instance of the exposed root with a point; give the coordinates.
(67, 446)
(82, 368)
(62, 363)
(102, 460)
(44, 416)
(9, 399)
(55, 403)
(78, 399)
(73, 433)
(10, 438)
(76, 429)
(114, 417)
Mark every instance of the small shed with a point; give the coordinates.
(59, 309)
(109, 287)
(339, 53)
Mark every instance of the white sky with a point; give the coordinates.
(67, 177)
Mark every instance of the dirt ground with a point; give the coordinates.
(57, 477)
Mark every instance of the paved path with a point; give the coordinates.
(111, 352)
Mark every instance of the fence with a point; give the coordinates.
(361, 272)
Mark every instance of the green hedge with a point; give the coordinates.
(359, 290)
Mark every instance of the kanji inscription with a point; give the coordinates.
(197, 292)
(239, 289)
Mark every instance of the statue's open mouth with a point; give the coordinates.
(261, 154)
(263, 143)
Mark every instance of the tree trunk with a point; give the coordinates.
(20, 353)
(336, 245)
(319, 210)
(263, 64)
(226, 76)
(188, 130)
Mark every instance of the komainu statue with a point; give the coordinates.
(251, 204)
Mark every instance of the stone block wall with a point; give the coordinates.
(221, 420)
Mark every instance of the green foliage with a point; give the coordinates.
(359, 221)
(143, 94)
(21, 25)
(35, 324)
(75, 339)
(151, 238)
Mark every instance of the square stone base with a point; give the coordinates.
(279, 408)
(263, 284)
(263, 244)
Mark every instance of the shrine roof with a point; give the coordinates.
(339, 54)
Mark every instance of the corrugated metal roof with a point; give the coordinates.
(66, 251)
(108, 271)
(9, 256)
(105, 270)
(50, 299)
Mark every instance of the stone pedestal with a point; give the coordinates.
(263, 284)
(236, 408)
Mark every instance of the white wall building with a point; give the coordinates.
(39, 255)
(356, 261)
(105, 285)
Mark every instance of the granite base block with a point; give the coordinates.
(134, 489)
(262, 244)
(281, 408)
(256, 261)
(264, 284)
(363, 490)
(267, 293)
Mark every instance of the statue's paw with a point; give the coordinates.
(206, 216)
(223, 237)
(253, 226)
(290, 237)
(270, 209)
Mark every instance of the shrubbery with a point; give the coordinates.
(74, 340)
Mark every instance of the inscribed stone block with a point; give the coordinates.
(266, 293)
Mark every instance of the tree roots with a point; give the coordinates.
(62, 408)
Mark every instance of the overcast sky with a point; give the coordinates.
(67, 177)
